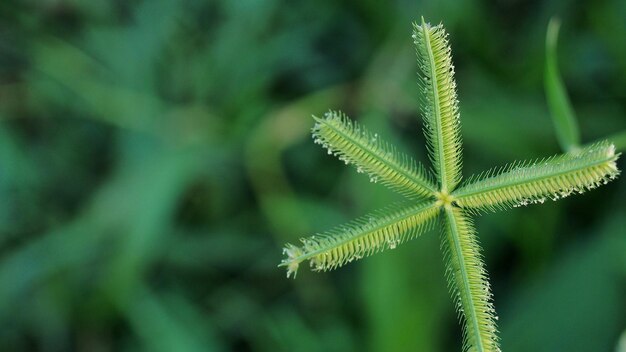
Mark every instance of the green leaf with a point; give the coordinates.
(361, 237)
(529, 182)
(468, 282)
(563, 117)
(439, 102)
(370, 154)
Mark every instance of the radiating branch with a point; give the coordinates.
(439, 102)
(360, 238)
(372, 155)
(535, 181)
(468, 282)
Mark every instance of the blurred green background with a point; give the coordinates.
(155, 156)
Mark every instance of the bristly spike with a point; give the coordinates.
(519, 183)
(468, 282)
(439, 102)
(361, 237)
(369, 154)
(532, 182)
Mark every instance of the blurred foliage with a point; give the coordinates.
(155, 155)
(565, 124)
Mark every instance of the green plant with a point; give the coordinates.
(561, 110)
(442, 194)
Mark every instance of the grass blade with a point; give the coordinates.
(563, 117)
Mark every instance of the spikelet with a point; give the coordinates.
(535, 181)
(362, 237)
(370, 154)
(439, 102)
(468, 282)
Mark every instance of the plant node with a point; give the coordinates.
(444, 199)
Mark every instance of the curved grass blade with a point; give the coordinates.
(355, 145)
(439, 102)
(533, 181)
(361, 237)
(468, 282)
(563, 116)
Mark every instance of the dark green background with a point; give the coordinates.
(155, 156)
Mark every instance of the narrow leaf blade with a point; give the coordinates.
(439, 102)
(563, 118)
(370, 154)
(534, 181)
(360, 238)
